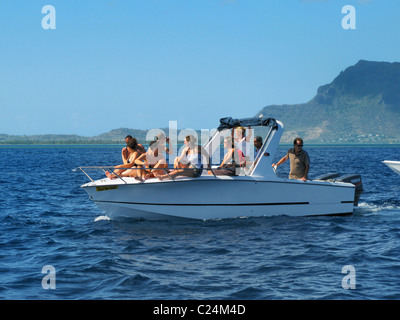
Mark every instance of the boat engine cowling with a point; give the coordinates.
(356, 180)
(328, 176)
(349, 178)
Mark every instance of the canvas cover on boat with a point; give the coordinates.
(228, 122)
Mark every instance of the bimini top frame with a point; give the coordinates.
(229, 123)
(271, 141)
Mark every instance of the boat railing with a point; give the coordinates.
(118, 176)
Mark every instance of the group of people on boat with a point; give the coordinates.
(139, 163)
(143, 164)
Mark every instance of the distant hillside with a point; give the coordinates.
(42, 139)
(361, 105)
(115, 136)
(118, 135)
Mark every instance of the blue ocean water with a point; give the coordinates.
(46, 219)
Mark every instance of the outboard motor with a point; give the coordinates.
(356, 180)
(328, 176)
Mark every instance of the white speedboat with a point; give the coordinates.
(394, 165)
(256, 191)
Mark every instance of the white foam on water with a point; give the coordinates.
(377, 208)
(99, 218)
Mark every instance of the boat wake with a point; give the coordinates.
(99, 218)
(378, 206)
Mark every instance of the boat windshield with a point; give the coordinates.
(249, 138)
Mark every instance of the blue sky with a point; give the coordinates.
(141, 63)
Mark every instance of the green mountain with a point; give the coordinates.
(116, 136)
(361, 105)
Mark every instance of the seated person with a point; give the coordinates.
(134, 152)
(241, 141)
(161, 139)
(257, 145)
(189, 162)
(152, 160)
(228, 165)
(257, 149)
(125, 152)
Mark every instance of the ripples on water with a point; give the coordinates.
(47, 219)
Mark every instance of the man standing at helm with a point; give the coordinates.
(299, 161)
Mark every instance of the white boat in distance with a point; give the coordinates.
(256, 191)
(394, 165)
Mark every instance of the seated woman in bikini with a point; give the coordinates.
(229, 163)
(125, 152)
(241, 140)
(152, 160)
(134, 153)
(189, 163)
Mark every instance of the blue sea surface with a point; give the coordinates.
(46, 219)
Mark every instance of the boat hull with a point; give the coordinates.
(220, 198)
(394, 165)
